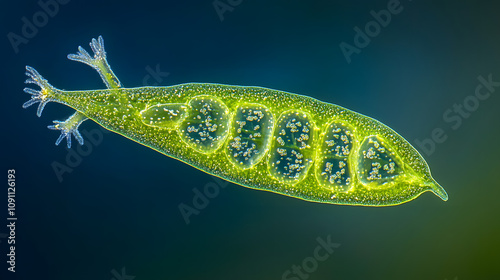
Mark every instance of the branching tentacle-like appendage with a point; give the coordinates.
(42, 95)
(69, 127)
(98, 62)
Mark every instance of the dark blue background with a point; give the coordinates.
(119, 206)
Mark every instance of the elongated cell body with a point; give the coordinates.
(259, 138)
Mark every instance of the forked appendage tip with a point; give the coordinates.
(37, 95)
(83, 56)
(66, 133)
(97, 46)
(34, 77)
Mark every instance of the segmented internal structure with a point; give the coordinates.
(336, 156)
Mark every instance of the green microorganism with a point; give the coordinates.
(256, 137)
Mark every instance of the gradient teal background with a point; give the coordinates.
(119, 207)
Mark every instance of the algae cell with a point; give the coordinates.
(256, 137)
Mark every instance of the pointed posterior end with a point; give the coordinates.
(438, 190)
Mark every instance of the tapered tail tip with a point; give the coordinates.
(439, 191)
